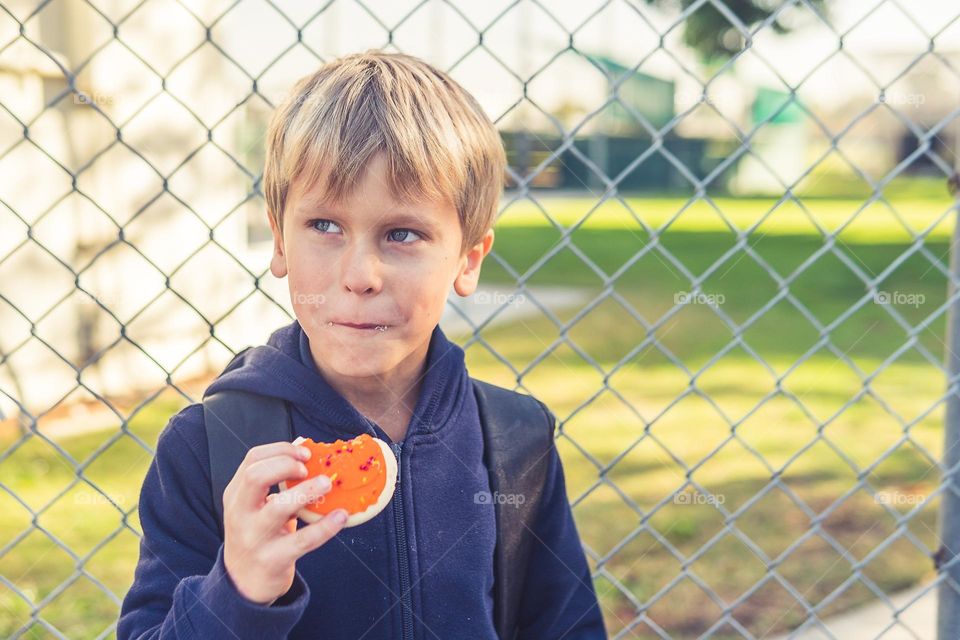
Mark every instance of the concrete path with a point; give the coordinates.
(478, 307)
(869, 621)
(487, 299)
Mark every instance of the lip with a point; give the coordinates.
(365, 325)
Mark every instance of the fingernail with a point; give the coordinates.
(304, 453)
(339, 516)
(322, 482)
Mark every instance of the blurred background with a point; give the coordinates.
(722, 259)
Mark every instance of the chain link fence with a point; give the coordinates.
(133, 263)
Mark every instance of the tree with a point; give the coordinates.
(712, 34)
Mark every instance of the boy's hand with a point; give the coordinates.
(261, 539)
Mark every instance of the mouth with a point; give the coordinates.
(368, 327)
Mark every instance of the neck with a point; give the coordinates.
(391, 413)
(388, 399)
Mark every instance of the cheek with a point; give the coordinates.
(425, 294)
(308, 285)
(306, 278)
(304, 262)
(435, 284)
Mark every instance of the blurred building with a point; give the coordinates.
(132, 194)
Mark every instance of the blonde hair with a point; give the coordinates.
(439, 144)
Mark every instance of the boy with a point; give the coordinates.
(382, 182)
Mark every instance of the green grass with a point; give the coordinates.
(81, 519)
(894, 219)
(671, 426)
(670, 409)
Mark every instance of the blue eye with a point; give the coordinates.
(316, 224)
(407, 231)
(323, 227)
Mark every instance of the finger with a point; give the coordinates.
(255, 481)
(282, 506)
(291, 524)
(264, 451)
(308, 538)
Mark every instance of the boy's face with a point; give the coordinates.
(369, 260)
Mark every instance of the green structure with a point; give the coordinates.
(651, 97)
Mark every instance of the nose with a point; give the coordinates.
(361, 270)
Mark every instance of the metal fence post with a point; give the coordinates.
(185, 137)
(948, 601)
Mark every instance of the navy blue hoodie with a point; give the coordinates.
(422, 568)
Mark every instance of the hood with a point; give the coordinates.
(283, 368)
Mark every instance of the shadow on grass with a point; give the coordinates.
(741, 287)
(814, 552)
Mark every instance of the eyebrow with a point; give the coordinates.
(410, 219)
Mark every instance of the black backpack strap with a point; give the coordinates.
(236, 421)
(517, 436)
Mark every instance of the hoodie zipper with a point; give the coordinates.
(405, 603)
(400, 527)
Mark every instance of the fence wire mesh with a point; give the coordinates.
(119, 119)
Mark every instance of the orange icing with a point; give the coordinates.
(356, 468)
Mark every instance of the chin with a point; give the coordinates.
(359, 362)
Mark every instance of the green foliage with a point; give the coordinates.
(712, 34)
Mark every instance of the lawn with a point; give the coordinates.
(638, 417)
(699, 400)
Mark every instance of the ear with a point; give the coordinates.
(278, 263)
(468, 273)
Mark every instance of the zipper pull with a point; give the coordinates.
(397, 448)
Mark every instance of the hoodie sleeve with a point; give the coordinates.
(181, 588)
(559, 598)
